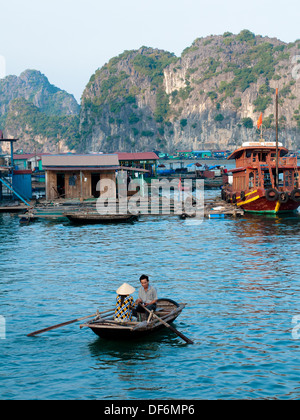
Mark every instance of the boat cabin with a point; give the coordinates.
(256, 167)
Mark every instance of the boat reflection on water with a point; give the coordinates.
(265, 226)
(263, 265)
(135, 350)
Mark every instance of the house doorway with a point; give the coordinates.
(60, 185)
(95, 180)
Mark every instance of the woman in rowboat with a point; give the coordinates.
(124, 304)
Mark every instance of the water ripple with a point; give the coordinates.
(239, 277)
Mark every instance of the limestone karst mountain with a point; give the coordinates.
(210, 97)
(43, 116)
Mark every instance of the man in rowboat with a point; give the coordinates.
(147, 296)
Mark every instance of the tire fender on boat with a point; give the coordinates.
(295, 195)
(283, 197)
(271, 194)
(242, 195)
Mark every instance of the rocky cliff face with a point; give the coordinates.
(210, 97)
(41, 115)
(33, 86)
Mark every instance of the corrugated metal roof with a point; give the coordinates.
(137, 156)
(26, 156)
(184, 151)
(23, 156)
(80, 161)
(80, 168)
(91, 168)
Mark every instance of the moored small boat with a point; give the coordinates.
(106, 327)
(86, 217)
(52, 211)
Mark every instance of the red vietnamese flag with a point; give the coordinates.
(259, 122)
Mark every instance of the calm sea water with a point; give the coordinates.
(240, 278)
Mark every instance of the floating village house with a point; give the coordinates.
(221, 154)
(185, 154)
(202, 154)
(77, 176)
(14, 183)
(28, 161)
(144, 161)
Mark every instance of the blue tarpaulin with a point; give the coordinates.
(22, 184)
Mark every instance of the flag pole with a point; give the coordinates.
(259, 125)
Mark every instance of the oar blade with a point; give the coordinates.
(169, 326)
(51, 328)
(63, 324)
(186, 339)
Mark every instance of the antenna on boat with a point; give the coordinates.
(276, 113)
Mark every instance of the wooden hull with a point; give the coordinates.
(256, 201)
(113, 330)
(262, 205)
(129, 334)
(86, 218)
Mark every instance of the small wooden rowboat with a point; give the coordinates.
(94, 218)
(106, 327)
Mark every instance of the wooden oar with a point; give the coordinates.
(169, 326)
(64, 323)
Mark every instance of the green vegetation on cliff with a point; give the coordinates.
(152, 65)
(24, 117)
(32, 108)
(150, 99)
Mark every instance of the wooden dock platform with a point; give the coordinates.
(216, 208)
(13, 208)
(212, 208)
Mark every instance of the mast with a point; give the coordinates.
(276, 113)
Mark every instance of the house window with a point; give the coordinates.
(72, 180)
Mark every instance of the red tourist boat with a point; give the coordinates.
(265, 180)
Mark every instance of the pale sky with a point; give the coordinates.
(68, 40)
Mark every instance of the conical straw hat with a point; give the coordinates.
(125, 289)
